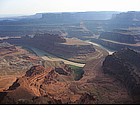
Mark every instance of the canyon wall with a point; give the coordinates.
(124, 65)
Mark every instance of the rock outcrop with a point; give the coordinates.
(127, 16)
(124, 65)
(45, 39)
(126, 20)
(54, 44)
(114, 45)
(119, 37)
(75, 17)
(45, 86)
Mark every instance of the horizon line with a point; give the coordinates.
(31, 14)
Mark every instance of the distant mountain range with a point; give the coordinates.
(127, 16)
(66, 16)
(17, 17)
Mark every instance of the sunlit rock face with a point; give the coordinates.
(45, 86)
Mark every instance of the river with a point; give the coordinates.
(50, 57)
(47, 56)
(109, 51)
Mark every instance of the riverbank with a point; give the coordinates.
(109, 51)
(49, 57)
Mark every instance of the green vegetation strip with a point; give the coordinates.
(78, 72)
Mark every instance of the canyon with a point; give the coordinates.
(54, 60)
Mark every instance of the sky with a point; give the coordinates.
(26, 7)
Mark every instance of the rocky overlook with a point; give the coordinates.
(124, 65)
(45, 86)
